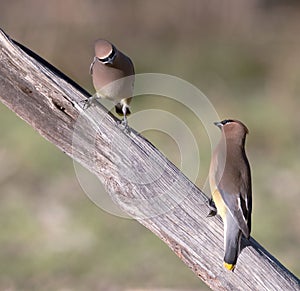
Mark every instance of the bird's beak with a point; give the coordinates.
(218, 124)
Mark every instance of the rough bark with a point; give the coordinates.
(140, 180)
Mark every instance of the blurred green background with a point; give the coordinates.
(244, 56)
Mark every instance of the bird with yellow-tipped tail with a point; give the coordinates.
(230, 183)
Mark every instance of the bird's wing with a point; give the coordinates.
(246, 191)
(234, 202)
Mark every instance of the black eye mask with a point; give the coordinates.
(110, 58)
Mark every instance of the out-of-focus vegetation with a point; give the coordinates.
(244, 55)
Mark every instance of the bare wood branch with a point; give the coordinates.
(140, 180)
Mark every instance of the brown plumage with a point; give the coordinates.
(230, 182)
(113, 76)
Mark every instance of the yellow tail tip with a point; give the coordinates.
(229, 267)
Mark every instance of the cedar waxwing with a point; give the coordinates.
(230, 183)
(110, 65)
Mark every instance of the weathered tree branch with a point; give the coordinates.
(140, 180)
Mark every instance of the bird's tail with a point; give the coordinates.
(232, 242)
(120, 110)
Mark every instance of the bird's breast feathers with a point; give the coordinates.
(116, 90)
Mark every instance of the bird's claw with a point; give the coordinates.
(124, 125)
(87, 102)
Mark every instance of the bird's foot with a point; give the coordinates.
(212, 207)
(123, 124)
(88, 102)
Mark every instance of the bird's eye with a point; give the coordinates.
(227, 121)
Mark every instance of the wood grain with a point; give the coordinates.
(139, 179)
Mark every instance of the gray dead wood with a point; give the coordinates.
(140, 180)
